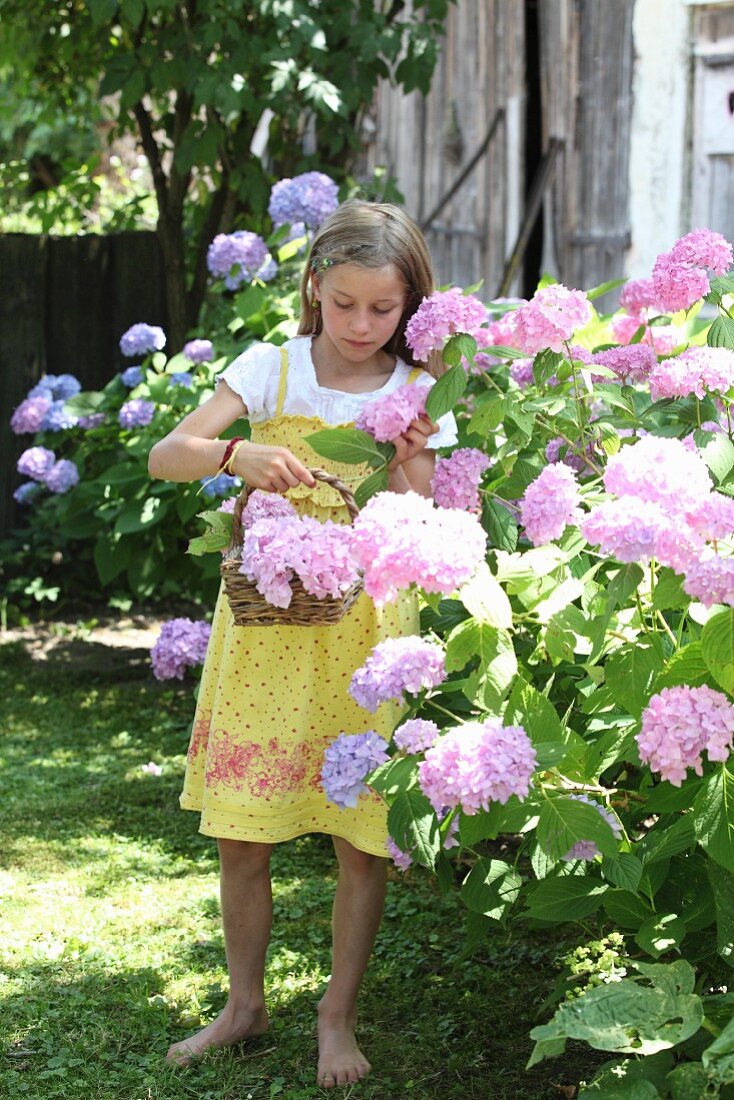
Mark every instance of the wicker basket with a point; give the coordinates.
(250, 608)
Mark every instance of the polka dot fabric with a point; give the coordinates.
(272, 698)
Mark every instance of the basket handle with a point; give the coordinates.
(319, 474)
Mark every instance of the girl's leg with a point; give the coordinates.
(247, 912)
(358, 905)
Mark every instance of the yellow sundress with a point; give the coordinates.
(273, 697)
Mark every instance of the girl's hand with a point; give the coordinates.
(412, 441)
(274, 469)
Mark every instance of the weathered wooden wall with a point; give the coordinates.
(586, 61)
(64, 303)
(425, 141)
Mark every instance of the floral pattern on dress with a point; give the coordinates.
(264, 769)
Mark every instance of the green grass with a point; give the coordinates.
(111, 944)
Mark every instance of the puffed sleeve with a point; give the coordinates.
(447, 434)
(254, 375)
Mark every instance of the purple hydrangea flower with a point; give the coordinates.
(141, 339)
(416, 735)
(181, 642)
(397, 665)
(62, 476)
(136, 413)
(199, 351)
(401, 859)
(308, 198)
(587, 849)
(29, 415)
(442, 315)
(218, 486)
(57, 419)
(36, 462)
(236, 257)
(94, 420)
(262, 505)
(182, 378)
(456, 479)
(269, 270)
(347, 762)
(25, 493)
(132, 376)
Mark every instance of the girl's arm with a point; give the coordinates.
(192, 450)
(413, 465)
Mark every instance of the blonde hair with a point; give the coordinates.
(373, 235)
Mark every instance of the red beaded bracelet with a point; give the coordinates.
(228, 454)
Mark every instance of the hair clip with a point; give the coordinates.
(321, 263)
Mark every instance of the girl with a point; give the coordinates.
(272, 698)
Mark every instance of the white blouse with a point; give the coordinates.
(255, 375)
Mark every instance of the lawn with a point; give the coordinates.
(112, 947)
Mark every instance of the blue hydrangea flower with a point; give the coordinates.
(348, 760)
(35, 462)
(140, 339)
(62, 476)
(308, 198)
(132, 376)
(220, 486)
(269, 270)
(25, 493)
(57, 419)
(199, 351)
(136, 413)
(94, 420)
(182, 378)
(236, 257)
(57, 387)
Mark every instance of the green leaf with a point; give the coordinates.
(500, 525)
(717, 648)
(623, 871)
(445, 392)
(491, 887)
(348, 445)
(565, 899)
(501, 351)
(713, 816)
(604, 288)
(662, 842)
(111, 556)
(526, 707)
(631, 672)
(376, 483)
(139, 515)
(721, 333)
(626, 909)
(412, 824)
(460, 345)
(687, 666)
(513, 817)
(565, 821)
(668, 591)
(718, 454)
(722, 887)
(688, 1081)
(661, 933)
(545, 365)
(486, 600)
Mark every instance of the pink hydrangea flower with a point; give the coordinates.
(680, 275)
(661, 338)
(550, 318)
(456, 479)
(477, 763)
(712, 517)
(631, 363)
(660, 470)
(709, 579)
(401, 539)
(634, 530)
(348, 760)
(387, 417)
(262, 505)
(521, 372)
(416, 735)
(442, 315)
(679, 724)
(550, 503)
(395, 666)
(704, 248)
(638, 295)
(695, 371)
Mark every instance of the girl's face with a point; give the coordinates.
(360, 308)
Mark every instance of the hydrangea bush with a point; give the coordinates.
(576, 740)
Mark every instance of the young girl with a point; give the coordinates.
(272, 698)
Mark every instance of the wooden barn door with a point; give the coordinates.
(712, 168)
(586, 56)
(468, 131)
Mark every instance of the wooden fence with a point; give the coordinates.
(64, 303)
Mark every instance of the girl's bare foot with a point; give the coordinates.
(341, 1062)
(230, 1027)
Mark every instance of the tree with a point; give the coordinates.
(193, 80)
